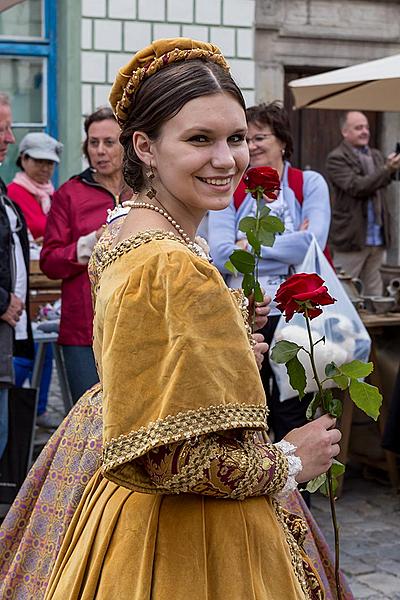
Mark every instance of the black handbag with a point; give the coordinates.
(15, 462)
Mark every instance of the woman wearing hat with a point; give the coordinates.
(185, 504)
(32, 188)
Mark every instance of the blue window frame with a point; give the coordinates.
(28, 60)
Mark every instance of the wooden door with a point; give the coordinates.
(315, 131)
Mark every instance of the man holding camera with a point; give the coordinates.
(360, 219)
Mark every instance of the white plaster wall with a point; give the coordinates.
(112, 30)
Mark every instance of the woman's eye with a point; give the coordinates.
(237, 138)
(199, 139)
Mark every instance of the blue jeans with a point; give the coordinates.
(81, 369)
(3, 419)
(23, 368)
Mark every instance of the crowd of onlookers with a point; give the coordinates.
(66, 224)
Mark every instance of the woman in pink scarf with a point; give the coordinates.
(32, 188)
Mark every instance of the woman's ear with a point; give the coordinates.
(143, 147)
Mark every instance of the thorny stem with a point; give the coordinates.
(329, 472)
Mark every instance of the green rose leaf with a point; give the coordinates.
(313, 406)
(331, 370)
(284, 351)
(248, 284)
(335, 407)
(367, 397)
(266, 238)
(253, 241)
(272, 224)
(341, 381)
(248, 224)
(258, 294)
(264, 212)
(297, 375)
(316, 483)
(243, 261)
(337, 468)
(357, 369)
(229, 267)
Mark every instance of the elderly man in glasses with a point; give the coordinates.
(14, 261)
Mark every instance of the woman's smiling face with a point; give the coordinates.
(201, 153)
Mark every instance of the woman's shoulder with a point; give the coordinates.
(313, 177)
(154, 250)
(17, 192)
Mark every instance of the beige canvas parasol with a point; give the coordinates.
(373, 85)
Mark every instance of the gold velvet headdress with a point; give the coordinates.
(151, 59)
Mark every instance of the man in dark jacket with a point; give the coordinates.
(360, 218)
(14, 269)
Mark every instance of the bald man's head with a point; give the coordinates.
(355, 128)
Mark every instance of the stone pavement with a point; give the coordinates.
(369, 516)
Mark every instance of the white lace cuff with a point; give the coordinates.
(294, 464)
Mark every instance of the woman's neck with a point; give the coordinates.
(113, 183)
(178, 212)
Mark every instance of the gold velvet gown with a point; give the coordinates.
(185, 508)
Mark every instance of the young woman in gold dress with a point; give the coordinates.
(186, 501)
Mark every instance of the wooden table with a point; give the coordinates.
(385, 354)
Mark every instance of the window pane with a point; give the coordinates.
(22, 79)
(8, 167)
(25, 19)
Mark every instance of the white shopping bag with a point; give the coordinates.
(346, 337)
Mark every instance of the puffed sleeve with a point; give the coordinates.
(175, 361)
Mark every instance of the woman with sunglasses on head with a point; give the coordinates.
(304, 207)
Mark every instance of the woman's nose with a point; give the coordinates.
(223, 157)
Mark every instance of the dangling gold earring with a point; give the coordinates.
(151, 192)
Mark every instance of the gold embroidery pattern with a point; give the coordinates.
(197, 458)
(295, 530)
(139, 74)
(234, 466)
(128, 447)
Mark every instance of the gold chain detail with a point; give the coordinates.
(138, 239)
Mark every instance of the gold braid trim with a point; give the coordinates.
(106, 257)
(243, 303)
(295, 530)
(154, 65)
(184, 425)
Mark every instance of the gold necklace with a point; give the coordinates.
(165, 214)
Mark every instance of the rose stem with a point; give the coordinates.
(257, 260)
(329, 472)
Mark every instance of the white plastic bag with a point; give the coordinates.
(346, 337)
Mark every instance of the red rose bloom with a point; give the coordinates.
(300, 292)
(265, 178)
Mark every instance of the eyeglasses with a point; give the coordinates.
(259, 137)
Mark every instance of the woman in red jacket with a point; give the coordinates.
(78, 212)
